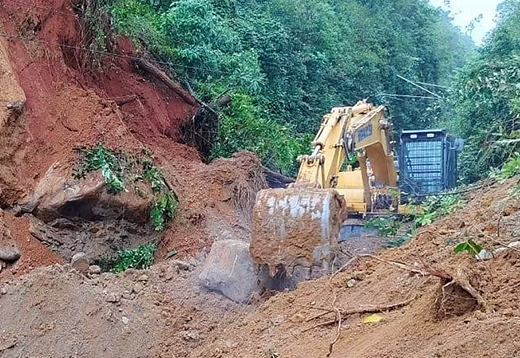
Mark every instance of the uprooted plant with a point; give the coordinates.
(121, 170)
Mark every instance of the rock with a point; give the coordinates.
(351, 283)
(9, 254)
(112, 298)
(278, 320)
(142, 278)
(359, 275)
(125, 320)
(127, 295)
(514, 244)
(182, 265)
(80, 262)
(3, 290)
(229, 269)
(59, 195)
(484, 255)
(94, 269)
(137, 288)
(297, 318)
(191, 336)
(479, 315)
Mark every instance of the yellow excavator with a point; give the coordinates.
(298, 227)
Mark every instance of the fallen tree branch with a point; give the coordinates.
(458, 279)
(277, 176)
(163, 77)
(359, 310)
(424, 271)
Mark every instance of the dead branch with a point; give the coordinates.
(124, 100)
(359, 310)
(277, 176)
(460, 279)
(424, 271)
(160, 75)
(499, 242)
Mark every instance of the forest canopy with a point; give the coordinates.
(286, 63)
(486, 99)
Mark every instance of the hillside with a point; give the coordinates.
(113, 188)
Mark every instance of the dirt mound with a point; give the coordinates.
(56, 312)
(422, 315)
(216, 201)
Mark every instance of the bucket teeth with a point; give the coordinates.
(296, 227)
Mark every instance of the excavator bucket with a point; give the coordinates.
(297, 228)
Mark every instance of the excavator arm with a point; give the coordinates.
(298, 227)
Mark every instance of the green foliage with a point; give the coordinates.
(139, 258)
(119, 169)
(286, 63)
(153, 175)
(486, 99)
(510, 168)
(100, 158)
(387, 226)
(163, 210)
(435, 207)
(267, 138)
(399, 240)
(470, 246)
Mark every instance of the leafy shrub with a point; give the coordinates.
(510, 168)
(118, 169)
(139, 258)
(163, 210)
(470, 246)
(386, 226)
(243, 127)
(100, 158)
(436, 207)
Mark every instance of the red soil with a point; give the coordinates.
(70, 104)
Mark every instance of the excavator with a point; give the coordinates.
(296, 229)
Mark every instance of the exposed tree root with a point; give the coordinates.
(459, 278)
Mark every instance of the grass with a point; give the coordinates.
(121, 170)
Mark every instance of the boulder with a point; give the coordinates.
(80, 262)
(9, 254)
(59, 195)
(229, 269)
(9, 251)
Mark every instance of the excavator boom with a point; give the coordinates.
(296, 229)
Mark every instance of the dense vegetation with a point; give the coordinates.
(285, 63)
(486, 99)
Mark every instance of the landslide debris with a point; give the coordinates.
(65, 104)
